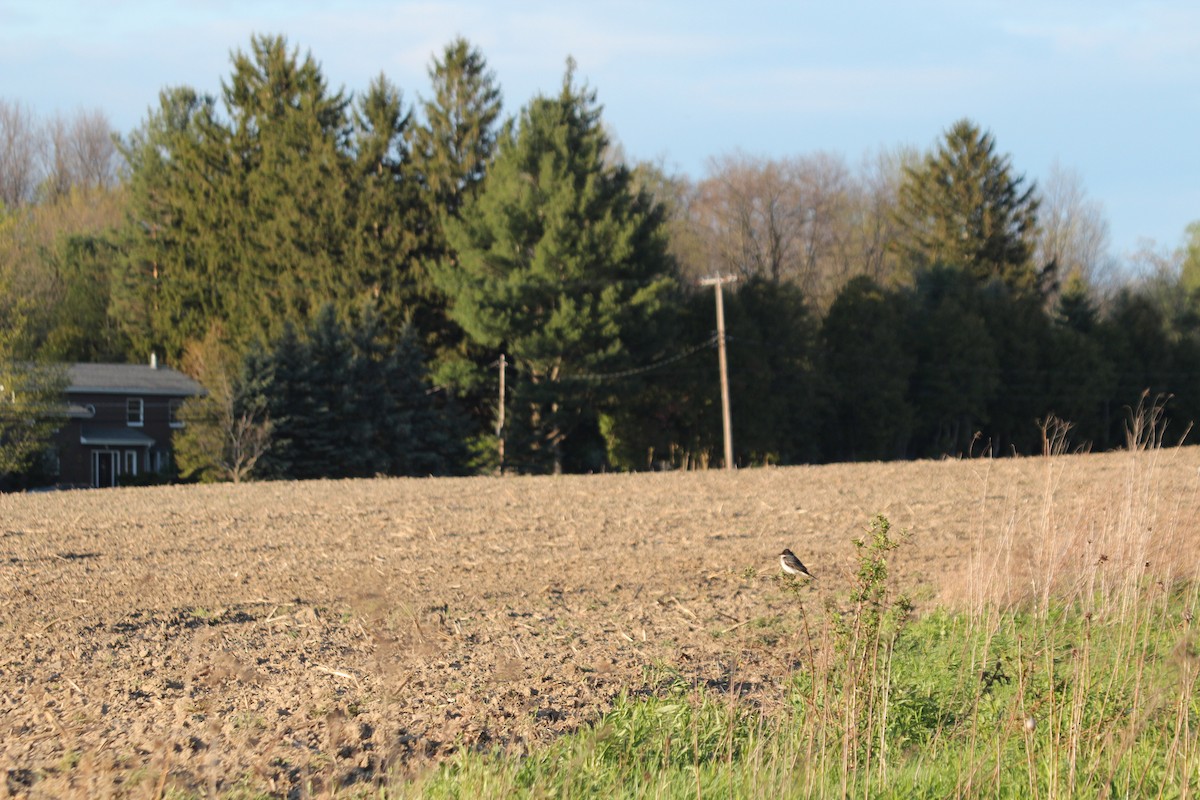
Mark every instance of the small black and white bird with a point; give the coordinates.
(792, 565)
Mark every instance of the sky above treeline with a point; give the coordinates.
(1107, 89)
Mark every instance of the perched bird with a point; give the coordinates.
(791, 565)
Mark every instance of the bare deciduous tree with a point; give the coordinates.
(20, 159)
(879, 188)
(45, 161)
(746, 215)
(809, 221)
(82, 153)
(1074, 231)
(221, 440)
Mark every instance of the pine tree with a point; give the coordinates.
(414, 430)
(392, 228)
(963, 207)
(773, 381)
(287, 146)
(867, 370)
(453, 148)
(955, 372)
(168, 287)
(347, 399)
(560, 263)
(255, 218)
(456, 143)
(1080, 372)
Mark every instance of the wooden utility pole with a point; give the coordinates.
(727, 426)
(500, 415)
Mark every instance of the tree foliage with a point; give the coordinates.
(259, 217)
(560, 263)
(31, 402)
(342, 270)
(453, 148)
(457, 140)
(344, 401)
(808, 221)
(867, 368)
(964, 207)
(224, 436)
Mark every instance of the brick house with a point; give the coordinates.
(120, 420)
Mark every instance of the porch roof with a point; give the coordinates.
(110, 436)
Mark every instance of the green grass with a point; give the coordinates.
(1070, 699)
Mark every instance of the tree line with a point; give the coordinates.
(343, 272)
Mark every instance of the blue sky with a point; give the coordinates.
(1110, 90)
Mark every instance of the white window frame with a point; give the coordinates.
(141, 412)
(129, 462)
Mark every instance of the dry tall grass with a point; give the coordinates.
(1065, 665)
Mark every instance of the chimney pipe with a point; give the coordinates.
(153, 360)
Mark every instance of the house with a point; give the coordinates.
(120, 420)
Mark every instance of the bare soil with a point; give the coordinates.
(296, 638)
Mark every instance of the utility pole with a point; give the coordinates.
(717, 281)
(500, 417)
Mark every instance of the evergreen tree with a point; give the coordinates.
(272, 379)
(867, 370)
(346, 400)
(453, 148)
(392, 228)
(414, 429)
(560, 263)
(1134, 337)
(964, 207)
(257, 218)
(772, 343)
(457, 141)
(1080, 373)
(1020, 332)
(670, 416)
(285, 243)
(955, 372)
(171, 284)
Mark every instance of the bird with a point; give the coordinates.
(792, 565)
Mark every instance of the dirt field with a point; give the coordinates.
(328, 634)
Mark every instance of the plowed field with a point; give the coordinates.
(299, 637)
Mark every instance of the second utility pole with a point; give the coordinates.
(726, 424)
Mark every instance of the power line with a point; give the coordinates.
(597, 377)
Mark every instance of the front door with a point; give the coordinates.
(105, 468)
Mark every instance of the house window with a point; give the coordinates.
(131, 463)
(135, 412)
(173, 412)
(53, 462)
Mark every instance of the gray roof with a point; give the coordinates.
(130, 379)
(113, 437)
